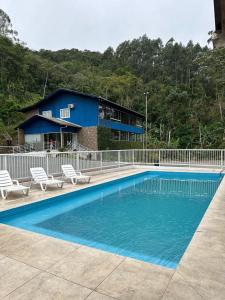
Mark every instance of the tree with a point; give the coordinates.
(6, 29)
(186, 83)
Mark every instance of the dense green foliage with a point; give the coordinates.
(186, 84)
(106, 143)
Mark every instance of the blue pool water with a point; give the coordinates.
(150, 216)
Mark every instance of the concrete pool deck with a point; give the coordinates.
(34, 266)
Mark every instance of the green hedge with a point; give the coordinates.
(105, 142)
(121, 145)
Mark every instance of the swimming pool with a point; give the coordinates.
(151, 216)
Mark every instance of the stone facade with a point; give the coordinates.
(88, 137)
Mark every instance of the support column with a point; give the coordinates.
(61, 138)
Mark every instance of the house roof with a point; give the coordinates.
(71, 92)
(53, 120)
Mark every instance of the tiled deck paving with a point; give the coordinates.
(34, 266)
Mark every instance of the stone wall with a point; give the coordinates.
(88, 137)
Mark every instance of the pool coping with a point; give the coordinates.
(200, 271)
(91, 243)
(90, 185)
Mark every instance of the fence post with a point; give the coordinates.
(159, 157)
(101, 160)
(133, 156)
(119, 158)
(47, 166)
(78, 161)
(221, 153)
(189, 158)
(5, 162)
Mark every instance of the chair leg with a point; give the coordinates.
(4, 196)
(26, 192)
(43, 188)
(60, 185)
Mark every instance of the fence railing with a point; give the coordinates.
(19, 164)
(16, 149)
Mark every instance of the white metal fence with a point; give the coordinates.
(19, 164)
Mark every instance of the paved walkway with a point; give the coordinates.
(15, 200)
(34, 266)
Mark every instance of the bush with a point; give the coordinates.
(105, 142)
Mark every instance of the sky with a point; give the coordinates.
(97, 24)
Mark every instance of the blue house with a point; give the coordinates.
(66, 119)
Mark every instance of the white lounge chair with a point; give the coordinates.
(74, 176)
(40, 177)
(8, 185)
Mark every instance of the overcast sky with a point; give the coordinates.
(97, 24)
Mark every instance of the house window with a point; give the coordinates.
(132, 137)
(108, 113)
(139, 122)
(133, 120)
(47, 113)
(116, 115)
(115, 135)
(101, 112)
(125, 118)
(139, 137)
(65, 113)
(124, 136)
(32, 138)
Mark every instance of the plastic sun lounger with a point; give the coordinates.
(8, 185)
(74, 176)
(40, 177)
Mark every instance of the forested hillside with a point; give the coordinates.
(186, 84)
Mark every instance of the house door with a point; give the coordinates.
(70, 139)
(52, 141)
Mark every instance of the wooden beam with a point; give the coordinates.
(217, 9)
(223, 15)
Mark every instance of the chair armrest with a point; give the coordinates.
(51, 176)
(15, 181)
(79, 173)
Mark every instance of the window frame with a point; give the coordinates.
(63, 115)
(115, 115)
(47, 113)
(114, 133)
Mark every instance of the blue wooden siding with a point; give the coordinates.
(84, 114)
(39, 126)
(120, 126)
